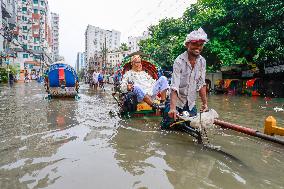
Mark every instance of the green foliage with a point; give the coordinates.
(124, 47)
(4, 73)
(81, 74)
(166, 41)
(240, 31)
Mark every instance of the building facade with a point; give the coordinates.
(115, 58)
(98, 42)
(133, 42)
(55, 36)
(28, 40)
(34, 36)
(7, 23)
(80, 62)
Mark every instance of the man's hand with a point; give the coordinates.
(173, 114)
(130, 87)
(204, 108)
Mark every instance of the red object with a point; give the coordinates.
(250, 82)
(248, 131)
(61, 74)
(235, 127)
(255, 93)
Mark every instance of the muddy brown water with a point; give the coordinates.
(78, 144)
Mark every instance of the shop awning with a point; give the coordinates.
(34, 63)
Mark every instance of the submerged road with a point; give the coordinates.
(78, 144)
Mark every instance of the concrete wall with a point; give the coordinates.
(213, 77)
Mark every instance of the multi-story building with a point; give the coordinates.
(80, 62)
(34, 35)
(55, 36)
(98, 42)
(134, 41)
(115, 58)
(7, 23)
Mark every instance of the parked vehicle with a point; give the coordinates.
(61, 80)
(128, 103)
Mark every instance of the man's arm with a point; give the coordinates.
(174, 89)
(201, 85)
(203, 96)
(172, 112)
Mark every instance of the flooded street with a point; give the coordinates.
(79, 144)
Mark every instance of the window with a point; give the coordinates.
(25, 37)
(25, 28)
(36, 48)
(36, 39)
(36, 2)
(24, 18)
(25, 55)
(37, 56)
(42, 12)
(24, 9)
(42, 3)
(24, 1)
(36, 11)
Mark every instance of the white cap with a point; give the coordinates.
(196, 35)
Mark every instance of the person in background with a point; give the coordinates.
(101, 80)
(11, 78)
(95, 80)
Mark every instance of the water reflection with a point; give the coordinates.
(29, 142)
(174, 161)
(51, 143)
(170, 159)
(61, 113)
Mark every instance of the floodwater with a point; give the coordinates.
(79, 144)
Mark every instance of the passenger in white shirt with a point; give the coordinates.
(142, 84)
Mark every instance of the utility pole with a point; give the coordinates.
(104, 51)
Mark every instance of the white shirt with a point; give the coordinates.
(95, 77)
(141, 79)
(187, 80)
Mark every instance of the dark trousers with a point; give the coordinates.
(167, 121)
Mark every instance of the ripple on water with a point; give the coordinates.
(48, 143)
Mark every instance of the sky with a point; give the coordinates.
(130, 17)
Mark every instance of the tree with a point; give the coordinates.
(240, 31)
(124, 47)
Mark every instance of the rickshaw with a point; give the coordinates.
(128, 104)
(130, 108)
(61, 80)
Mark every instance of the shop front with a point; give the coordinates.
(32, 70)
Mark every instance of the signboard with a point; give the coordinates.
(36, 68)
(274, 69)
(248, 73)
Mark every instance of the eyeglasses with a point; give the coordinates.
(136, 62)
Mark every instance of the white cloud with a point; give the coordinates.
(130, 17)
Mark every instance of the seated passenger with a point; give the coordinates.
(142, 84)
